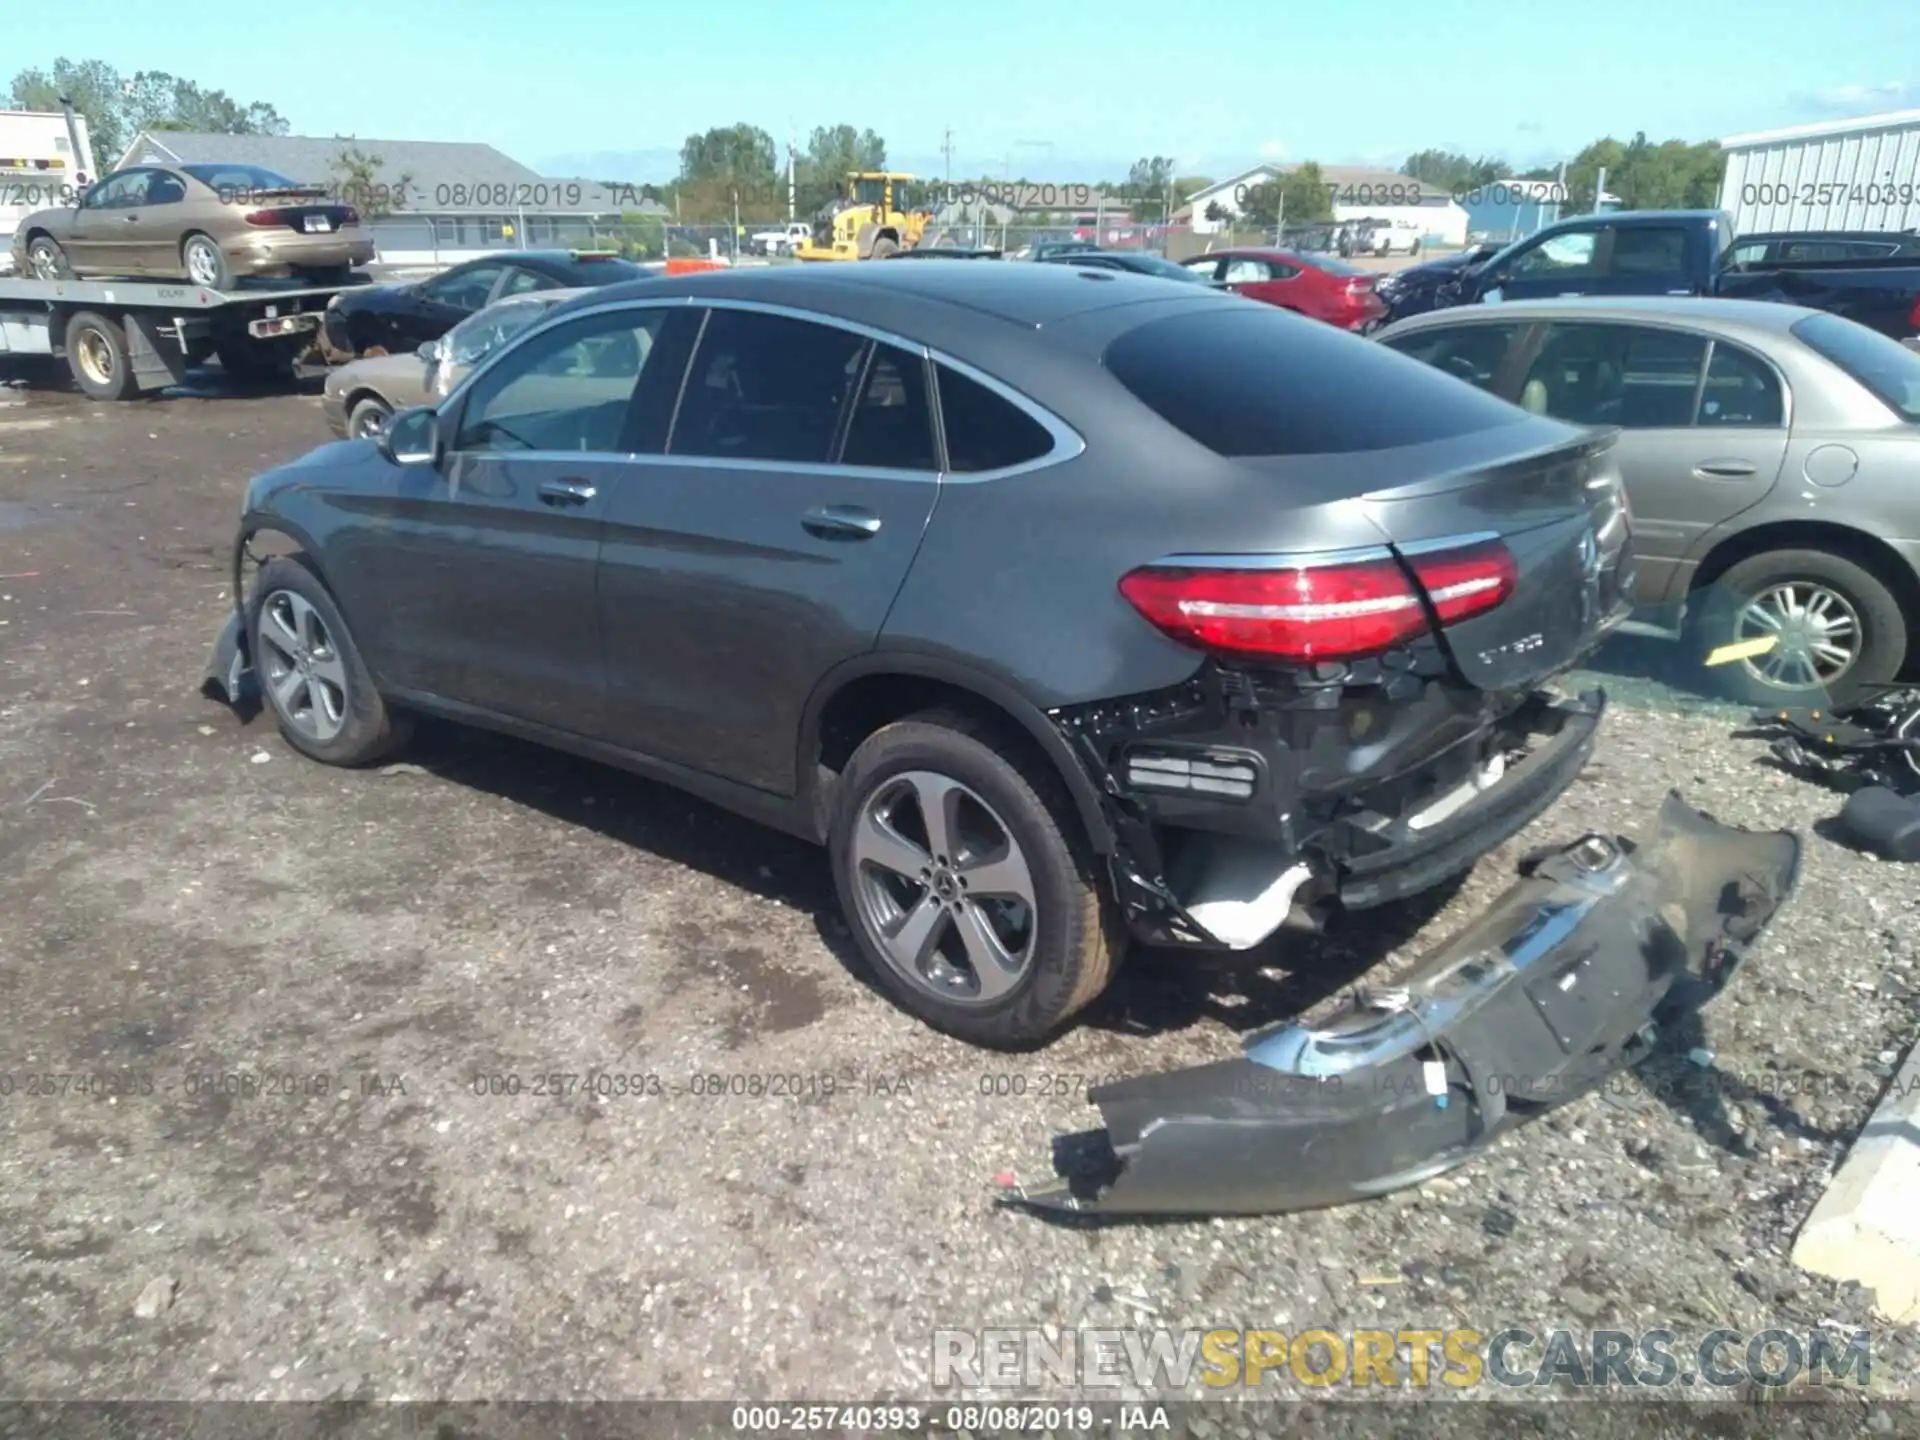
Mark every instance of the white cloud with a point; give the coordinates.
(1273, 150)
(1863, 99)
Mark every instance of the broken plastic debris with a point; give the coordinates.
(260, 757)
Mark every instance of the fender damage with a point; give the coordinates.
(1568, 977)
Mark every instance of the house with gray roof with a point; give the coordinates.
(428, 202)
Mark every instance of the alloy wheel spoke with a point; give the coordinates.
(876, 842)
(912, 941)
(1002, 875)
(939, 800)
(329, 667)
(286, 690)
(995, 968)
(278, 632)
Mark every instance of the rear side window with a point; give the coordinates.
(892, 426)
(1741, 389)
(1648, 250)
(766, 387)
(1262, 382)
(1886, 367)
(984, 431)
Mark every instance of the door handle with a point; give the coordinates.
(566, 492)
(130, 219)
(841, 522)
(1725, 469)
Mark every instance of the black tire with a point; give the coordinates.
(219, 268)
(97, 355)
(367, 729)
(1884, 638)
(368, 417)
(47, 259)
(883, 247)
(1077, 937)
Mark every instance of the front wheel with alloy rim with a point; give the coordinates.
(311, 672)
(970, 893)
(368, 417)
(1837, 629)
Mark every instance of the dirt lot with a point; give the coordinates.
(185, 899)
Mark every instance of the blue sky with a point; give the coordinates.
(1056, 89)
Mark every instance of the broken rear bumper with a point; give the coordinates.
(1565, 979)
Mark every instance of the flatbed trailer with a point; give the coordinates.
(119, 338)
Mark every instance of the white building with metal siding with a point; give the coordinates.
(1859, 174)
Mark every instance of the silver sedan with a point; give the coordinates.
(1772, 458)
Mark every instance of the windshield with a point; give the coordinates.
(473, 337)
(1886, 367)
(241, 177)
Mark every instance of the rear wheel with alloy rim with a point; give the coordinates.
(1836, 629)
(47, 259)
(961, 871)
(311, 672)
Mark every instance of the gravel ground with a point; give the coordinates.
(185, 898)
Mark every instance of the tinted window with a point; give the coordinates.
(1886, 367)
(1615, 375)
(240, 177)
(1741, 390)
(463, 289)
(984, 431)
(165, 189)
(1467, 352)
(1206, 268)
(1242, 271)
(1648, 250)
(568, 389)
(892, 424)
(1257, 381)
(767, 387)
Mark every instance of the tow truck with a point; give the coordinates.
(119, 338)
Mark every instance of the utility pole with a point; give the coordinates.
(790, 187)
(946, 152)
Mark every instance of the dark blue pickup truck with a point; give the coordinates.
(1872, 279)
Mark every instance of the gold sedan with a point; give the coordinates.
(362, 395)
(210, 224)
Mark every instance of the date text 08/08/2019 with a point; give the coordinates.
(1412, 192)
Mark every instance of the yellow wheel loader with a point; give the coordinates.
(869, 223)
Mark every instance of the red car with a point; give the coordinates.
(1314, 285)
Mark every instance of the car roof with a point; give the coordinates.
(1751, 317)
(1029, 295)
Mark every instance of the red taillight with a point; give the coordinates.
(1308, 613)
(1467, 582)
(266, 217)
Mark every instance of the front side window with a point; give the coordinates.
(463, 289)
(1563, 257)
(767, 387)
(1467, 352)
(1246, 272)
(118, 192)
(569, 389)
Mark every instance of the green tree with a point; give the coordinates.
(728, 166)
(1148, 187)
(1452, 171)
(118, 108)
(1301, 194)
(357, 177)
(833, 151)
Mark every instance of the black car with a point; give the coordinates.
(401, 318)
(1429, 285)
(1137, 262)
(1046, 599)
